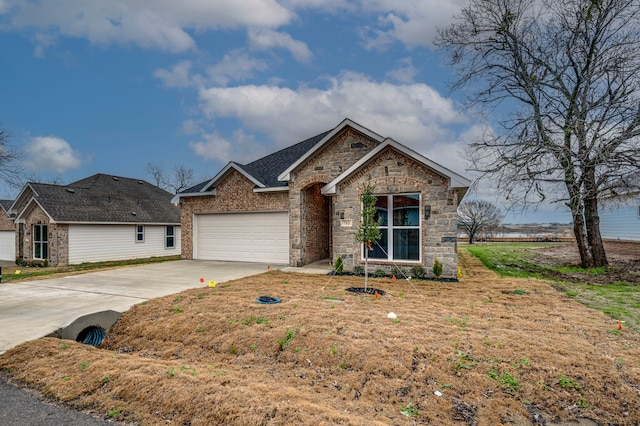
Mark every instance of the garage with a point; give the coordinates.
(8, 245)
(246, 237)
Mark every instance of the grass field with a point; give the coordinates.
(620, 299)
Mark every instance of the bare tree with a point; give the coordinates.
(569, 73)
(156, 172)
(11, 173)
(476, 217)
(180, 179)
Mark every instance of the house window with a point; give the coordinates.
(40, 241)
(169, 237)
(400, 228)
(139, 233)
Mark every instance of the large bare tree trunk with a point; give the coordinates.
(592, 221)
(586, 260)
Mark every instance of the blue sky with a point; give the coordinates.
(108, 86)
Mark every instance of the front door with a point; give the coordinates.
(40, 241)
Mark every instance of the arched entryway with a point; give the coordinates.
(317, 224)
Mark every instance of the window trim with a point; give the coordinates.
(139, 231)
(172, 236)
(390, 227)
(44, 231)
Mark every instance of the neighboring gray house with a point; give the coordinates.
(7, 232)
(98, 218)
(302, 204)
(621, 220)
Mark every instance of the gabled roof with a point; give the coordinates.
(263, 172)
(455, 180)
(102, 199)
(272, 173)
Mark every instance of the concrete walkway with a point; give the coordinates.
(33, 309)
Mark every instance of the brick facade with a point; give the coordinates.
(57, 238)
(234, 194)
(6, 224)
(391, 173)
(316, 229)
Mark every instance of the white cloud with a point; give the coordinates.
(179, 75)
(159, 24)
(413, 114)
(405, 72)
(267, 39)
(42, 42)
(242, 147)
(234, 66)
(50, 154)
(413, 23)
(212, 146)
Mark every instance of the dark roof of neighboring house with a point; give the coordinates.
(103, 198)
(6, 204)
(267, 169)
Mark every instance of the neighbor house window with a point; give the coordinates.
(400, 228)
(40, 242)
(139, 233)
(169, 238)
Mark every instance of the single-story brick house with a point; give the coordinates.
(98, 218)
(302, 204)
(7, 232)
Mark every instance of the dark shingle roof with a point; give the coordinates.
(6, 204)
(267, 169)
(104, 198)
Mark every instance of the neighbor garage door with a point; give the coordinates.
(247, 237)
(8, 245)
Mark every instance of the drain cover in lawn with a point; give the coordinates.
(366, 290)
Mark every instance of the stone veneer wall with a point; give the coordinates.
(393, 173)
(346, 148)
(233, 194)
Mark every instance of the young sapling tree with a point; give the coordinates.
(368, 232)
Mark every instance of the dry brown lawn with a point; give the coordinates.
(478, 351)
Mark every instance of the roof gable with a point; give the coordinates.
(454, 180)
(286, 174)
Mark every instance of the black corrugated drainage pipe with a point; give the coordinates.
(90, 329)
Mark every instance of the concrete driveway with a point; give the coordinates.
(33, 309)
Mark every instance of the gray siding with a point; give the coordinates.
(621, 222)
(96, 243)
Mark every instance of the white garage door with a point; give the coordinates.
(8, 245)
(247, 237)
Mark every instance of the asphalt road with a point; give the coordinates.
(20, 407)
